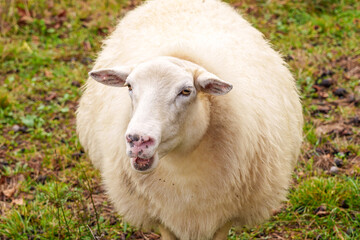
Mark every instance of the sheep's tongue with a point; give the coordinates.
(142, 164)
(142, 161)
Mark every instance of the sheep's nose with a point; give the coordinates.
(139, 140)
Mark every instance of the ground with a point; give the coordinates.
(49, 189)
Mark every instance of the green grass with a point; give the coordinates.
(48, 188)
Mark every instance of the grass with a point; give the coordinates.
(48, 188)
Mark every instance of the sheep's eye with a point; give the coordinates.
(129, 86)
(185, 92)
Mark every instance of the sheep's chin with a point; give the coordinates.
(144, 165)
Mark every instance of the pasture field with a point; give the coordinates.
(50, 190)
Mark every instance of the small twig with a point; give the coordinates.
(338, 233)
(92, 200)
(91, 232)
(61, 209)
(143, 235)
(278, 236)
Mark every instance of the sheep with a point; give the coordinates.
(193, 120)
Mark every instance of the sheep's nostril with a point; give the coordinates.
(135, 137)
(141, 141)
(132, 138)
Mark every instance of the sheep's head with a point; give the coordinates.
(170, 110)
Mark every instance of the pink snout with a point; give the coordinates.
(140, 145)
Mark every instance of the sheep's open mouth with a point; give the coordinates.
(142, 164)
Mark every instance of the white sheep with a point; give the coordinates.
(173, 153)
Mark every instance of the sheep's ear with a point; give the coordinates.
(210, 83)
(115, 77)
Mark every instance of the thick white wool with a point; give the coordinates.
(241, 169)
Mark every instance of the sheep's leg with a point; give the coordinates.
(221, 233)
(166, 234)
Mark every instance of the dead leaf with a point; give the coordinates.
(18, 201)
(355, 121)
(317, 88)
(337, 128)
(52, 96)
(2, 180)
(4, 207)
(47, 21)
(62, 14)
(354, 72)
(25, 16)
(57, 25)
(237, 5)
(48, 73)
(26, 19)
(323, 95)
(322, 109)
(323, 161)
(87, 46)
(21, 12)
(35, 39)
(9, 192)
(321, 211)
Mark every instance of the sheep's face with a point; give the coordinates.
(168, 112)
